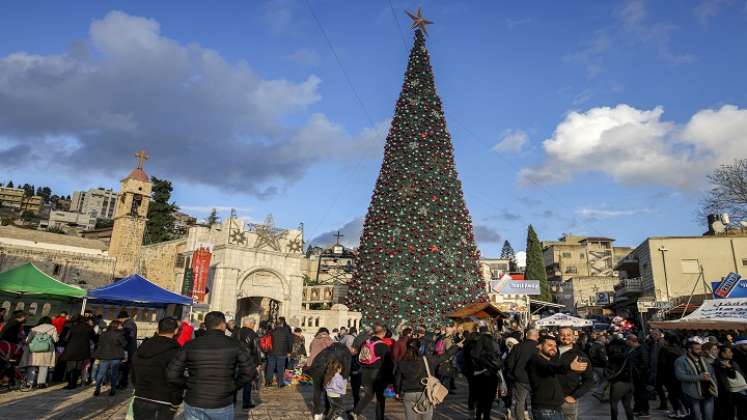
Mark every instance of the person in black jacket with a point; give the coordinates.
(110, 353)
(155, 397)
(409, 375)
(375, 376)
(486, 364)
(249, 340)
(130, 332)
(13, 330)
(216, 368)
(516, 368)
(620, 378)
(78, 337)
(336, 352)
(732, 388)
(573, 384)
(282, 346)
(544, 369)
(639, 364)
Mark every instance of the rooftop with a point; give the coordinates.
(39, 236)
(138, 174)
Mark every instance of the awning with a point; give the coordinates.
(138, 290)
(27, 280)
(480, 310)
(718, 314)
(564, 320)
(543, 304)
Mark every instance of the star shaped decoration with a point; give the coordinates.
(423, 211)
(267, 235)
(294, 245)
(413, 145)
(238, 237)
(418, 21)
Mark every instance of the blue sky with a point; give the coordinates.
(597, 118)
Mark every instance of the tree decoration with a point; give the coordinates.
(417, 259)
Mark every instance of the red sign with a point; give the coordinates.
(200, 268)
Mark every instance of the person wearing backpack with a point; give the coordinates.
(376, 363)
(39, 354)
(409, 379)
(110, 353)
(486, 362)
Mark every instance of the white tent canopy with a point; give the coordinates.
(563, 320)
(717, 314)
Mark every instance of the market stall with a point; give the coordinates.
(27, 288)
(146, 301)
(563, 320)
(717, 314)
(469, 316)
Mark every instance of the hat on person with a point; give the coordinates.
(696, 340)
(740, 340)
(510, 342)
(123, 314)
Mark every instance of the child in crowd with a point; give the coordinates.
(335, 386)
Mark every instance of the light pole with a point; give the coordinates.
(662, 249)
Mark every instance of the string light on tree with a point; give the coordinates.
(417, 259)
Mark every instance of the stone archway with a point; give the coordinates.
(262, 295)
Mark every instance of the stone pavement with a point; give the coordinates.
(290, 403)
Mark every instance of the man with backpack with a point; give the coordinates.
(486, 363)
(375, 359)
(282, 346)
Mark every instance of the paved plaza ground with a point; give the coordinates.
(290, 403)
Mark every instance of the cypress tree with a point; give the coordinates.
(536, 264)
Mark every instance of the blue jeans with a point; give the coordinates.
(275, 366)
(104, 366)
(246, 396)
(196, 413)
(699, 409)
(547, 414)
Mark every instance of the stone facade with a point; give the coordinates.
(130, 217)
(160, 263)
(97, 202)
(69, 259)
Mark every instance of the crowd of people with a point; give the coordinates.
(534, 374)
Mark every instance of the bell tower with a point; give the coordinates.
(130, 216)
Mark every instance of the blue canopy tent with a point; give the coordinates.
(138, 290)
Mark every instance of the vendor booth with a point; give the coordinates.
(144, 300)
(29, 289)
(469, 316)
(563, 320)
(717, 314)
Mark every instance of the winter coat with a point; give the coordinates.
(597, 355)
(573, 383)
(46, 358)
(319, 343)
(639, 363)
(518, 359)
(399, 349)
(130, 332)
(691, 381)
(186, 333)
(618, 365)
(78, 343)
(249, 340)
(727, 401)
(59, 323)
(543, 378)
(282, 341)
(211, 362)
(486, 358)
(336, 351)
(150, 363)
(665, 365)
(299, 347)
(12, 332)
(112, 344)
(409, 374)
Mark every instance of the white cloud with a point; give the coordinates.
(351, 235)
(705, 10)
(598, 214)
(635, 146)
(201, 118)
(511, 141)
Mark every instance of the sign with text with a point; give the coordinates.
(200, 270)
(515, 287)
(732, 309)
(732, 286)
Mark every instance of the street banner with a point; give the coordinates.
(732, 286)
(732, 309)
(188, 282)
(515, 287)
(200, 268)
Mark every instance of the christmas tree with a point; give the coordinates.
(417, 259)
(536, 264)
(507, 253)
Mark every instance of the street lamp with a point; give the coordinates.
(662, 249)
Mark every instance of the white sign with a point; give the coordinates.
(563, 320)
(722, 310)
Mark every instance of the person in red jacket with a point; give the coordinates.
(400, 346)
(185, 332)
(60, 320)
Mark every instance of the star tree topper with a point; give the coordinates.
(418, 21)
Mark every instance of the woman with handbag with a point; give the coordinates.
(39, 354)
(413, 379)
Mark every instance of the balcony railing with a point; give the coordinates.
(632, 286)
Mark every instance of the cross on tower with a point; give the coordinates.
(141, 158)
(338, 236)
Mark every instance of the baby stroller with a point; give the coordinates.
(11, 376)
